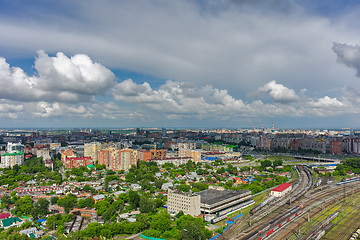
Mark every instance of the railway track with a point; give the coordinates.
(242, 231)
(262, 217)
(336, 195)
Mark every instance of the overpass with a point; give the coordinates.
(318, 159)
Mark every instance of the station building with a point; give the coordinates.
(216, 205)
(213, 205)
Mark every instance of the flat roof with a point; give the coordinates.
(211, 196)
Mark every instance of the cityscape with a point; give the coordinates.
(169, 120)
(137, 183)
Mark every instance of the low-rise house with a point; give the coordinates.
(135, 187)
(9, 222)
(99, 197)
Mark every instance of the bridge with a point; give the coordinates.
(318, 159)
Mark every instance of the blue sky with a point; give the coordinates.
(180, 63)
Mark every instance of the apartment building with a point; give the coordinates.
(116, 159)
(13, 156)
(92, 150)
(12, 159)
(75, 162)
(194, 154)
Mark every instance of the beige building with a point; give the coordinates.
(194, 154)
(117, 159)
(178, 201)
(44, 153)
(92, 150)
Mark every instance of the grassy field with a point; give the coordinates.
(277, 157)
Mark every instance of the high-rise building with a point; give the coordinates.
(13, 156)
(336, 146)
(194, 154)
(92, 150)
(12, 159)
(104, 156)
(144, 155)
(123, 159)
(116, 159)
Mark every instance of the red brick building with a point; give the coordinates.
(336, 147)
(67, 153)
(75, 162)
(158, 153)
(104, 157)
(144, 155)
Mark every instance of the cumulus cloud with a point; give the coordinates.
(58, 78)
(279, 93)
(234, 45)
(348, 55)
(327, 102)
(178, 99)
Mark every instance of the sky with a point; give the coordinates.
(190, 64)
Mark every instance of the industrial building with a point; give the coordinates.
(216, 205)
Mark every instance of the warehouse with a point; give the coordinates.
(281, 190)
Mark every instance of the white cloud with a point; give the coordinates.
(327, 102)
(279, 93)
(226, 44)
(58, 79)
(10, 110)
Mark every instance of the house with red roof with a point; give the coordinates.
(281, 190)
(4, 215)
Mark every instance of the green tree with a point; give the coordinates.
(40, 208)
(54, 199)
(183, 187)
(134, 199)
(161, 221)
(5, 201)
(179, 214)
(67, 202)
(146, 205)
(23, 206)
(51, 222)
(90, 202)
(266, 163)
(277, 162)
(81, 203)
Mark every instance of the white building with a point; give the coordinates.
(178, 201)
(281, 190)
(13, 156)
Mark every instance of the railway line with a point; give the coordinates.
(274, 210)
(281, 220)
(335, 195)
(316, 199)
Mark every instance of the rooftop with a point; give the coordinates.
(281, 187)
(211, 196)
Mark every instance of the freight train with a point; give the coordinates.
(277, 223)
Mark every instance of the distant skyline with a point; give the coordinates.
(188, 64)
